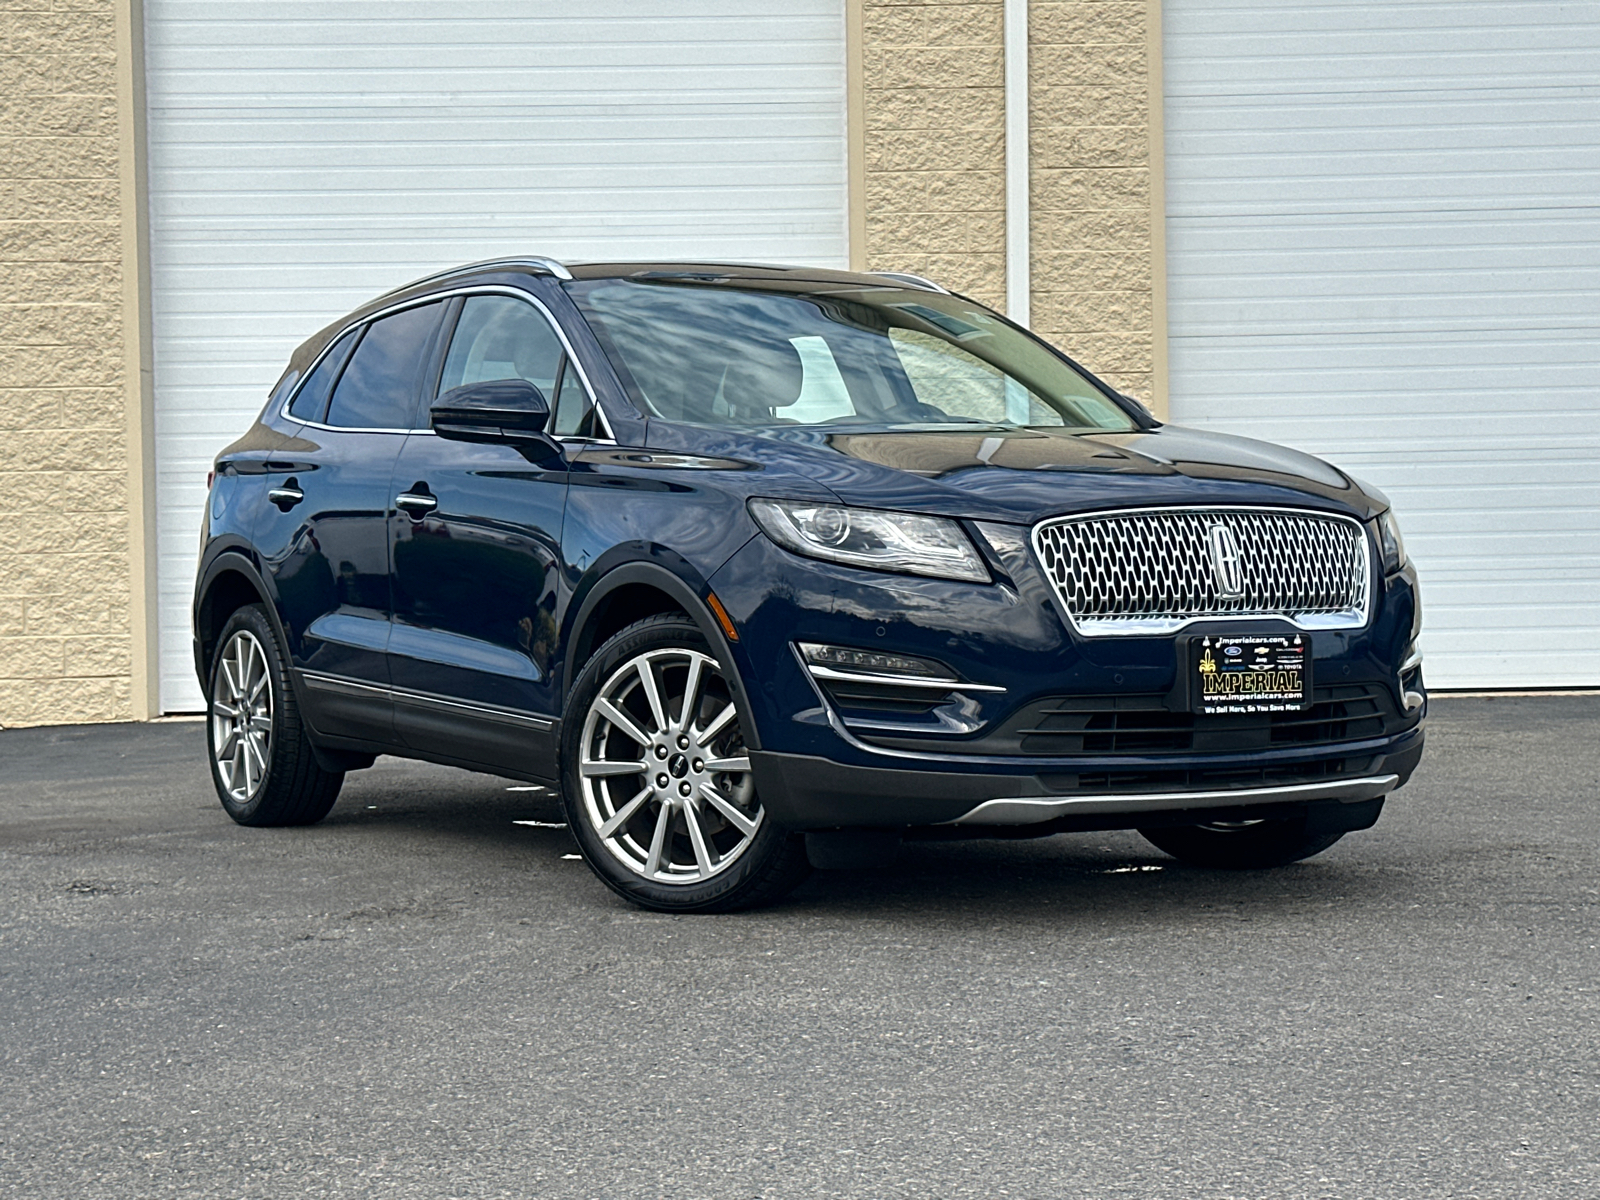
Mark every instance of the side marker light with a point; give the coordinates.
(722, 616)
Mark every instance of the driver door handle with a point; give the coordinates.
(418, 504)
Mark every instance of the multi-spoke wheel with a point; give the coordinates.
(265, 770)
(241, 715)
(665, 781)
(659, 786)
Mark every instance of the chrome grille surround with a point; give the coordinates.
(1149, 571)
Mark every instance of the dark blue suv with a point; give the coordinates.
(768, 568)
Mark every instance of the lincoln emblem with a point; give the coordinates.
(1226, 563)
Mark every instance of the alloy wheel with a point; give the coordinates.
(663, 769)
(241, 716)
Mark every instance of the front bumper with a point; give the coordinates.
(1066, 733)
(807, 792)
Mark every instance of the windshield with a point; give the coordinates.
(715, 354)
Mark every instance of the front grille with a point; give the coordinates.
(1141, 725)
(1153, 571)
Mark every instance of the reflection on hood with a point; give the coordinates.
(1170, 449)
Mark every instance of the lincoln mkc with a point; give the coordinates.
(765, 568)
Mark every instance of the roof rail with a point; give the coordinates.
(548, 266)
(914, 280)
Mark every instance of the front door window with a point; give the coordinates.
(500, 337)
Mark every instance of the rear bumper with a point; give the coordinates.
(805, 792)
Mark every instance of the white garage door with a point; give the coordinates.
(1384, 248)
(306, 155)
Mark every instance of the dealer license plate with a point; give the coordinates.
(1250, 673)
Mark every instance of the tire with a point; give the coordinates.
(688, 834)
(1241, 845)
(263, 767)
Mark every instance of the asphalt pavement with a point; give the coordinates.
(423, 997)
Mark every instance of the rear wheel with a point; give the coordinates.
(1241, 845)
(657, 781)
(263, 767)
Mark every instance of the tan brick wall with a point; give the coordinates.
(934, 133)
(65, 628)
(1089, 126)
(933, 119)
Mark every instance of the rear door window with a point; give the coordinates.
(378, 389)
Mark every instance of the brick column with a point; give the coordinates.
(934, 131)
(933, 124)
(65, 640)
(1092, 246)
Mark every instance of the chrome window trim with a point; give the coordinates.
(487, 289)
(353, 428)
(1162, 626)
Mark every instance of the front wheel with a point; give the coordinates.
(1241, 845)
(657, 782)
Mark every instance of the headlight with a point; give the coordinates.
(1390, 542)
(869, 537)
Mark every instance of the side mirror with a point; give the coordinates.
(496, 410)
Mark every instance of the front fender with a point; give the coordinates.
(671, 574)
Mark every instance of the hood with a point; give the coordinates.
(1026, 475)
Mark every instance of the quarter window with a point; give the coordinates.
(574, 409)
(500, 337)
(312, 400)
(378, 389)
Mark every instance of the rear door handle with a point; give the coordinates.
(418, 504)
(287, 496)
